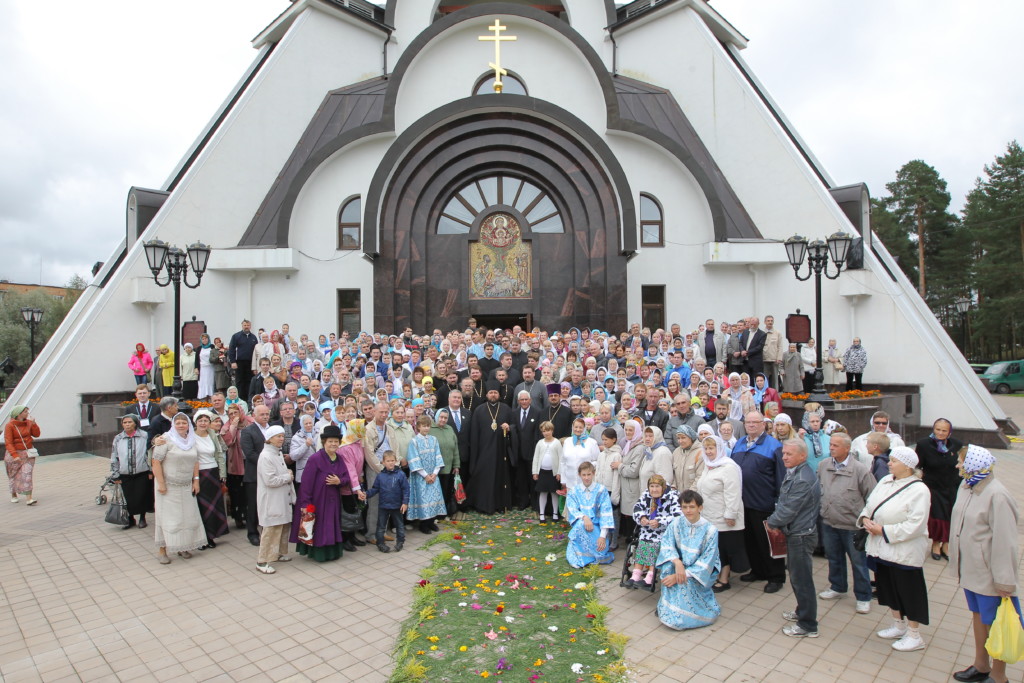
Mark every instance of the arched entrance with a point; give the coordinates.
(438, 208)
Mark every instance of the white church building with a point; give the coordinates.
(364, 174)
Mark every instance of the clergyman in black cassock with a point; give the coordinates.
(557, 414)
(490, 447)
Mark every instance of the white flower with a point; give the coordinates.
(581, 585)
(552, 628)
(601, 652)
(551, 557)
(509, 620)
(577, 668)
(455, 558)
(500, 593)
(463, 604)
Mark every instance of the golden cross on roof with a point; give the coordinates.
(497, 39)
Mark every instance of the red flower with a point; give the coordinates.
(489, 565)
(591, 616)
(423, 582)
(310, 508)
(457, 537)
(499, 609)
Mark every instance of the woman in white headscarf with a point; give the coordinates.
(179, 526)
(983, 553)
(721, 485)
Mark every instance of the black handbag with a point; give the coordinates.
(860, 536)
(351, 521)
(117, 513)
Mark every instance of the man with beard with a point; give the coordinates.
(513, 375)
(556, 413)
(449, 384)
(538, 392)
(469, 399)
(491, 443)
(504, 388)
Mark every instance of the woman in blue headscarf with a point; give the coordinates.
(577, 449)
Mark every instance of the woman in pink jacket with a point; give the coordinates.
(141, 363)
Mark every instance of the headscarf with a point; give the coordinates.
(580, 439)
(138, 352)
(17, 410)
(759, 393)
(659, 442)
(977, 464)
(688, 431)
(942, 445)
(704, 430)
(815, 439)
(355, 431)
(638, 435)
(186, 442)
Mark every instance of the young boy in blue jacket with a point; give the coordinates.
(393, 488)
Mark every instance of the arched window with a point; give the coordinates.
(511, 84)
(349, 223)
(652, 222)
(470, 201)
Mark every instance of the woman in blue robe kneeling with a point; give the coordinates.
(588, 509)
(688, 565)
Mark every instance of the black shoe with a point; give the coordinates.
(936, 557)
(348, 547)
(210, 543)
(254, 540)
(239, 523)
(398, 546)
(649, 587)
(143, 523)
(773, 587)
(750, 576)
(356, 541)
(130, 524)
(720, 587)
(383, 548)
(433, 526)
(944, 556)
(971, 675)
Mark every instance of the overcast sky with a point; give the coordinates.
(98, 97)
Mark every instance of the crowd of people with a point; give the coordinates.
(675, 442)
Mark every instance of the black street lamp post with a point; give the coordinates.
(162, 256)
(32, 318)
(817, 254)
(963, 304)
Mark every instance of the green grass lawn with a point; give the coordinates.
(499, 601)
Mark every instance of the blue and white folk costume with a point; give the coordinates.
(691, 604)
(593, 502)
(426, 501)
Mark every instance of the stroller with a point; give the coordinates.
(105, 487)
(625, 581)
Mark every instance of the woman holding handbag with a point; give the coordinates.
(896, 519)
(129, 468)
(20, 457)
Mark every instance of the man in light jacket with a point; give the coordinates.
(772, 351)
(846, 484)
(796, 516)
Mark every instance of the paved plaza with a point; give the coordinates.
(83, 600)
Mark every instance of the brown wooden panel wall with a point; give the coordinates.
(421, 279)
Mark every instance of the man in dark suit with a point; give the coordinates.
(240, 350)
(161, 424)
(252, 441)
(512, 376)
(527, 430)
(145, 409)
(752, 348)
(459, 421)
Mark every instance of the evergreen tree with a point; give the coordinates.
(994, 216)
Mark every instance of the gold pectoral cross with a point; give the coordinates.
(497, 38)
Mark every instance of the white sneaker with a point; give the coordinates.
(897, 630)
(790, 616)
(14, 499)
(266, 568)
(863, 607)
(795, 631)
(909, 643)
(831, 595)
(542, 518)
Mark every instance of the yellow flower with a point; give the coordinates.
(522, 559)
(572, 630)
(485, 674)
(433, 647)
(572, 606)
(420, 652)
(433, 639)
(572, 640)
(539, 662)
(463, 648)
